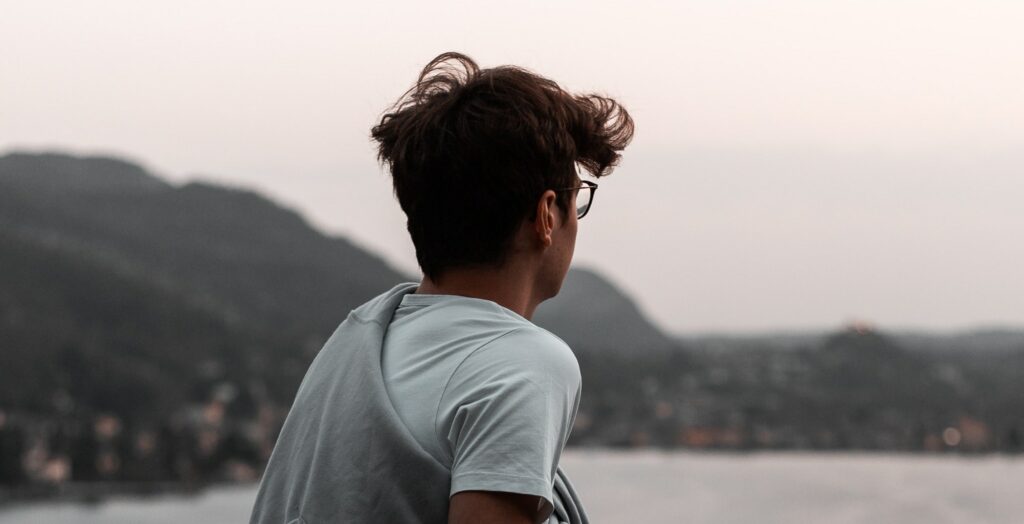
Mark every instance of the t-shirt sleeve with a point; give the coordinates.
(507, 411)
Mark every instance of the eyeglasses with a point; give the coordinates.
(584, 198)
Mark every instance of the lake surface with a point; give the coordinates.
(673, 487)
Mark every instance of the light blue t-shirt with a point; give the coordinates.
(477, 397)
(483, 390)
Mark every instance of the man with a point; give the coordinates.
(441, 401)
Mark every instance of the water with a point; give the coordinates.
(675, 487)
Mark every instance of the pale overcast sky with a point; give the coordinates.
(797, 164)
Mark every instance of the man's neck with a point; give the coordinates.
(510, 287)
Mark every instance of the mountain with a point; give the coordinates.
(196, 283)
(231, 252)
(124, 293)
(77, 336)
(590, 312)
(58, 173)
(1000, 340)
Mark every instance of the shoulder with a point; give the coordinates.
(530, 353)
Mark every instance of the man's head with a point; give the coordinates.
(473, 152)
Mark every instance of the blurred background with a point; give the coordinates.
(798, 298)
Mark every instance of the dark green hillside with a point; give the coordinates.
(138, 313)
(58, 174)
(592, 314)
(81, 339)
(245, 259)
(172, 282)
(123, 294)
(231, 252)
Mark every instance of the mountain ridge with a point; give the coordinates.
(271, 281)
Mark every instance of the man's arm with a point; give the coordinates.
(505, 416)
(468, 507)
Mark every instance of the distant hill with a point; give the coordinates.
(591, 313)
(150, 290)
(130, 268)
(56, 174)
(988, 340)
(230, 251)
(78, 336)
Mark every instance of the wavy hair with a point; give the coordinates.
(471, 150)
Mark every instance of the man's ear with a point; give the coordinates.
(544, 220)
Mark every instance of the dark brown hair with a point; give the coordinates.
(471, 150)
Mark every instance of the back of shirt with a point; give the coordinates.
(477, 398)
(343, 453)
(482, 390)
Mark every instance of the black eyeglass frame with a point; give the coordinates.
(592, 186)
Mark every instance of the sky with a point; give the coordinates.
(796, 165)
